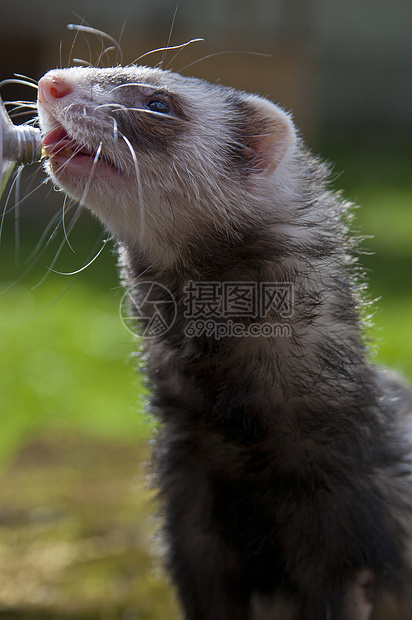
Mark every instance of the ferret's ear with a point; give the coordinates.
(268, 133)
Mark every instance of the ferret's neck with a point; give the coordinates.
(317, 362)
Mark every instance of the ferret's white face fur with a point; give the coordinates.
(160, 158)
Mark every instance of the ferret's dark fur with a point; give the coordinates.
(284, 462)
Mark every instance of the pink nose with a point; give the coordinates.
(51, 88)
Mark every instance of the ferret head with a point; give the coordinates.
(160, 158)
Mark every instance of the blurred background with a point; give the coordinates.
(76, 514)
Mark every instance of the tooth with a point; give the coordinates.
(67, 151)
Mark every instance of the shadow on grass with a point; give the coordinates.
(77, 533)
(22, 614)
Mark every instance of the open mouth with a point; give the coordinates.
(65, 153)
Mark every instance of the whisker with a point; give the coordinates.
(225, 52)
(36, 254)
(123, 108)
(73, 42)
(39, 244)
(5, 209)
(92, 171)
(75, 152)
(33, 121)
(16, 207)
(73, 222)
(23, 275)
(83, 63)
(25, 77)
(77, 212)
(70, 228)
(114, 106)
(18, 109)
(49, 305)
(14, 114)
(66, 236)
(139, 187)
(157, 114)
(17, 188)
(67, 109)
(100, 33)
(126, 84)
(104, 52)
(120, 38)
(21, 104)
(173, 58)
(44, 182)
(162, 49)
(82, 18)
(54, 232)
(90, 51)
(169, 38)
(73, 273)
(17, 81)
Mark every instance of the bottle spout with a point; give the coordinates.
(19, 145)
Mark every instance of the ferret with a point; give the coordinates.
(284, 458)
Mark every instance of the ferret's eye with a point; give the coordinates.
(158, 106)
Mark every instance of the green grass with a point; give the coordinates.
(76, 534)
(376, 176)
(65, 356)
(66, 365)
